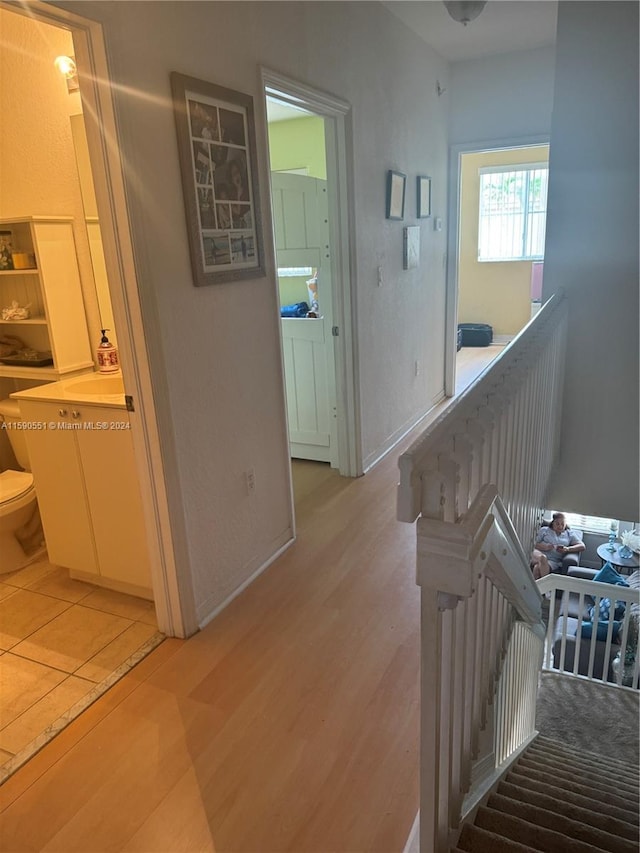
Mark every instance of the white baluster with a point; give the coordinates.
(463, 458)
(470, 687)
(476, 433)
(449, 473)
(431, 490)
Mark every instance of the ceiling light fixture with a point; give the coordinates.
(66, 65)
(462, 11)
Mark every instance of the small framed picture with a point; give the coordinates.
(424, 196)
(396, 184)
(411, 247)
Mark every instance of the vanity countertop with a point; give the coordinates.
(97, 389)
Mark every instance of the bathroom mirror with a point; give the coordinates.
(81, 147)
(44, 158)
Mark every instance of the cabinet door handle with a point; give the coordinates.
(62, 413)
(75, 413)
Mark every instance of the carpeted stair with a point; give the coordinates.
(559, 800)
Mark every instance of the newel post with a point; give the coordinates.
(445, 574)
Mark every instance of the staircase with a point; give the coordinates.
(560, 800)
(474, 484)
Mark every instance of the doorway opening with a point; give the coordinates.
(497, 243)
(306, 136)
(75, 619)
(302, 244)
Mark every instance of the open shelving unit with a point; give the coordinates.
(53, 291)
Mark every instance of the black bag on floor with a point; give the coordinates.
(476, 334)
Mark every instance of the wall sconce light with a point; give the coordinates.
(462, 11)
(67, 67)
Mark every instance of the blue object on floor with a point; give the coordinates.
(298, 309)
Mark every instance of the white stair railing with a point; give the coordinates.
(482, 643)
(476, 480)
(576, 645)
(504, 429)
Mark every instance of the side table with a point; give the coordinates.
(625, 565)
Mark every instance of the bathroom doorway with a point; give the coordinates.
(306, 136)
(40, 596)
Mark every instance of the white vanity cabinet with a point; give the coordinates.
(82, 460)
(52, 289)
(58, 478)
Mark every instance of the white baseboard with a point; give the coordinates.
(395, 439)
(502, 340)
(413, 841)
(281, 547)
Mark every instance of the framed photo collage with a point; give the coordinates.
(217, 149)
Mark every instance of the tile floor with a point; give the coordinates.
(62, 644)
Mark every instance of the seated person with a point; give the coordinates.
(552, 543)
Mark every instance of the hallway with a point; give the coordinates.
(290, 723)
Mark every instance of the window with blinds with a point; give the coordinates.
(294, 272)
(589, 523)
(513, 212)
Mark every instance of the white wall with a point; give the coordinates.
(592, 246)
(592, 252)
(399, 123)
(509, 96)
(221, 344)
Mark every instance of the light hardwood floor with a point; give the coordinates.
(471, 361)
(289, 724)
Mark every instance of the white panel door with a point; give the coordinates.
(300, 213)
(308, 407)
(297, 201)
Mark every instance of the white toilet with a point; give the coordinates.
(21, 536)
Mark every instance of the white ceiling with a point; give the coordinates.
(503, 26)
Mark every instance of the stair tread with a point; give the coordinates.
(596, 758)
(558, 822)
(613, 825)
(482, 841)
(551, 802)
(605, 782)
(584, 791)
(606, 774)
(589, 760)
(570, 796)
(536, 836)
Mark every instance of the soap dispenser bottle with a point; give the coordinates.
(108, 361)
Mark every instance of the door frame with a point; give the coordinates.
(156, 467)
(453, 239)
(336, 113)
